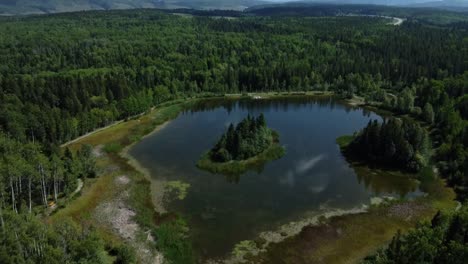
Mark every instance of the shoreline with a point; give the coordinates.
(157, 187)
(282, 232)
(157, 119)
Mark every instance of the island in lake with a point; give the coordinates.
(249, 145)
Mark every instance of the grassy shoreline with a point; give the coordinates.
(142, 190)
(142, 199)
(359, 235)
(112, 165)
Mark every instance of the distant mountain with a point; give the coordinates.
(411, 3)
(14, 7)
(212, 4)
(453, 5)
(407, 3)
(446, 4)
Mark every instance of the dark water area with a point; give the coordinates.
(312, 176)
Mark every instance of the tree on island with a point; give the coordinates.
(247, 146)
(249, 138)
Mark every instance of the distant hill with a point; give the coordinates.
(415, 3)
(23, 7)
(455, 5)
(15, 7)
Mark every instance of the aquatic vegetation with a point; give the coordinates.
(113, 147)
(179, 187)
(173, 240)
(244, 247)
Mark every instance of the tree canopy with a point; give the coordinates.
(397, 143)
(247, 139)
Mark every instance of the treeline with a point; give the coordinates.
(95, 67)
(443, 240)
(396, 143)
(441, 105)
(249, 138)
(430, 16)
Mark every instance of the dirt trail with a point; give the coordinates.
(78, 188)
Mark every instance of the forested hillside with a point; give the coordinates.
(64, 75)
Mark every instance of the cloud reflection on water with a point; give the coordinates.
(302, 167)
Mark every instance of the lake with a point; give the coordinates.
(313, 176)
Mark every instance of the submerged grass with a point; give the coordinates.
(179, 188)
(359, 235)
(110, 165)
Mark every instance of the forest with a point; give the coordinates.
(249, 138)
(64, 75)
(394, 143)
(249, 145)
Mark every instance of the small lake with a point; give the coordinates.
(313, 176)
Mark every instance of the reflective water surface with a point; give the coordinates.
(313, 175)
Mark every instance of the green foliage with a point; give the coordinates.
(247, 146)
(237, 167)
(28, 177)
(172, 240)
(397, 143)
(80, 83)
(344, 141)
(113, 147)
(243, 247)
(25, 239)
(94, 68)
(249, 138)
(443, 240)
(125, 255)
(428, 113)
(180, 188)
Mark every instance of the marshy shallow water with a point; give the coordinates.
(312, 176)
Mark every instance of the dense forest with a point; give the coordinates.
(88, 72)
(30, 176)
(249, 138)
(30, 181)
(64, 75)
(395, 143)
